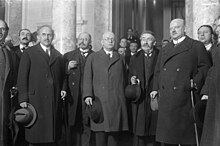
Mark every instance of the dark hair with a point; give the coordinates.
(208, 26)
(147, 32)
(22, 30)
(6, 25)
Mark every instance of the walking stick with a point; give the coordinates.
(67, 128)
(193, 106)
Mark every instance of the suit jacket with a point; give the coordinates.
(175, 67)
(6, 83)
(17, 51)
(104, 78)
(40, 81)
(144, 122)
(75, 79)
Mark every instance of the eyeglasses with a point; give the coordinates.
(3, 29)
(109, 39)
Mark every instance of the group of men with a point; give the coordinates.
(81, 79)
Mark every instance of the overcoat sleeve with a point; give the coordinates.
(23, 75)
(88, 77)
(204, 63)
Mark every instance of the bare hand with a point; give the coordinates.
(204, 97)
(63, 94)
(72, 64)
(134, 80)
(23, 104)
(88, 101)
(153, 94)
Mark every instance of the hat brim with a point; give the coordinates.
(34, 116)
(138, 94)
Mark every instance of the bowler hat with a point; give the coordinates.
(199, 110)
(133, 92)
(95, 111)
(26, 116)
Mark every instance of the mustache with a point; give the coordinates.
(25, 38)
(81, 44)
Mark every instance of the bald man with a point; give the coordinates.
(75, 62)
(104, 80)
(179, 61)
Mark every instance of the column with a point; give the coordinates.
(13, 16)
(200, 12)
(64, 24)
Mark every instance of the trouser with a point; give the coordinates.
(106, 138)
(145, 141)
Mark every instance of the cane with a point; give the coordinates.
(193, 106)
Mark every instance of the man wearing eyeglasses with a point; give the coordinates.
(8, 75)
(104, 79)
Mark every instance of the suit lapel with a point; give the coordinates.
(171, 51)
(114, 58)
(153, 63)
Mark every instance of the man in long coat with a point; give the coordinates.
(178, 62)
(77, 117)
(142, 69)
(8, 74)
(104, 79)
(40, 79)
(211, 90)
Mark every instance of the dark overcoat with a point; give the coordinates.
(211, 126)
(6, 83)
(175, 67)
(76, 104)
(144, 120)
(40, 80)
(104, 78)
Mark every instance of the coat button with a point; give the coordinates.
(174, 88)
(164, 69)
(73, 83)
(178, 69)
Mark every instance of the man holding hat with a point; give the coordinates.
(104, 79)
(141, 72)
(41, 83)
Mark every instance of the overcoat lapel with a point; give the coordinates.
(114, 58)
(7, 62)
(171, 51)
(53, 55)
(42, 53)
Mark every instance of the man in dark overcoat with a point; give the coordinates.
(211, 91)
(141, 72)
(178, 62)
(104, 79)
(8, 74)
(77, 117)
(40, 82)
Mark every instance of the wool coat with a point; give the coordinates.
(211, 126)
(104, 78)
(75, 102)
(144, 120)
(8, 80)
(176, 66)
(40, 81)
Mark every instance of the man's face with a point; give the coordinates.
(45, 36)
(130, 32)
(84, 41)
(3, 31)
(25, 37)
(123, 43)
(177, 29)
(204, 35)
(108, 41)
(121, 51)
(133, 47)
(147, 41)
(217, 27)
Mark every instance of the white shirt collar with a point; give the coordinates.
(22, 46)
(108, 52)
(208, 47)
(179, 40)
(45, 48)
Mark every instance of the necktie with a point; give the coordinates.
(48, 52)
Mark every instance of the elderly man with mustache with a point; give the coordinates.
(25, 39)
(75, 62)
(178, 62)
